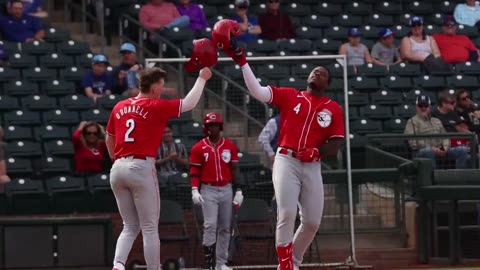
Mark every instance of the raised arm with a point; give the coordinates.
(259, 92)
(192, 98)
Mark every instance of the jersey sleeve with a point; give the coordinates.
(169, 108)
(234, 157)
(281, 95)
(111, 124)
(337, 127)
(196, 156)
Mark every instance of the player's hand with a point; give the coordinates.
(4, 179)
(196, 196)
(205, 73)
(238, 199)
(308, 155)
(238, 55)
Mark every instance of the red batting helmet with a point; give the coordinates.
(212, 117)
(204, 54)
(223, 31)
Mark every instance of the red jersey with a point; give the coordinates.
(138, 124)
(214, 160)
(454, 48)
(88, 159)
(306, 121)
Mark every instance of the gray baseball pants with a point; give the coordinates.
(135, 186)
(217, 216)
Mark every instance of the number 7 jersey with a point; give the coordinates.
(137, 124)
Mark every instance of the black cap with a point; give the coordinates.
(423, 100)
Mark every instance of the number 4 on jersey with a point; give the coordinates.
(297, 108)
(131, 126)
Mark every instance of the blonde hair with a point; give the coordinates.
(100, 135)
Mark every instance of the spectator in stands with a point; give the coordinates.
(129, 65)
(171, 156)
(159, 15)
(468, 13)
(90, 148)
(198, 20)
(384, 52)
(468, 110)
(31, 7)
(18, 27)
(248, 23)
(97, 82)
(275, 24)
(417, 45)
(423, 124)
(4, 178)
(455, 48)
(356, 52)
(268, 138)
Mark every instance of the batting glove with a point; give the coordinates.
(196, 196)
(309, 155)
(238, 55)
(238, 199)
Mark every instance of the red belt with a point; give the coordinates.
(133, 156)
(288, 152)
(216, 184)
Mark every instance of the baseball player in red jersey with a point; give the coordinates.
(213, 169)
(311, 127)
(134, 133)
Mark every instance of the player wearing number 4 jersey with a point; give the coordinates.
(134, 133)
(311, 127)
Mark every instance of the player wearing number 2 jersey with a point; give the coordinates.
(134, 133)
(311, 127)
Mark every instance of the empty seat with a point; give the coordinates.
(372, 70)
(468, 68)
(38, 74)
(470, 31)
(76, 103)
(56, 61)
(369, 34)
(37, 48)
(108, 102)
(396, 125)
(317, 21)
(389, 8)
(72, 47)
(328, 9)
(54, 35)
(273, 71)
(302, 70)
(8, 103)
(327, 45)
(364, 126)
(98, 115)
(404, 111)
(18, 166)
(380, 20)
(336, 32)
(24, 149)
(401, 31)
(39, 103)
(19, 60)
(58, 88)
(17, 133)
(355, 98)
(59, 148)
(53, 165)
(386, 97)
(263, 46)
(347, 20)
(363, 83)
(337, 70)
(431, 29)
(297, 45)
(406, 69)
(8, 74)
(22, 118)
(376, 112)
(52, 132)
(20, 88)
(85, 60)
(430, 82)
(397, 83)
(103, 199)
(72, 74)
(178, 35)
(359, 8)
(61, 117)
(27, 196)
(69, 194)
(460, 81)
(306, 32)
(296, 9)
(420, 7)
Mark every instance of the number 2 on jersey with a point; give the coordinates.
(297, 108)
(131, 126)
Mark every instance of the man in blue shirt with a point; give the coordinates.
(32, 8)
(248, 23)
(120, 74)
(18, 27)
(97, 82)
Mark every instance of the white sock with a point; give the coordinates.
(119, 265)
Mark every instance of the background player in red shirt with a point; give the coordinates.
(213, 165)
(134, 133)
(311, 127)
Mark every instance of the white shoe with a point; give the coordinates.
(223, 267)
(296, 267)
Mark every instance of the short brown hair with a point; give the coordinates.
(151, 76)
(444, 96)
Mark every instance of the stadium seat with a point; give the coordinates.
(302, 70)
(248, 161)
(72, 47)
(18, 166)
(76, 103)
(348, 20)
(470, 31)
(336, 32)
(178, 35)
(21, 88)
(85, 60)
(420, 7)
(73, 74)
(404, 111)
(58, 88)
(429, 82)
(376, 112)
(22, 118)
(386, 97)
(263, 46)
(297, 83)
(337, 70)
(301, 46)
(49, 166)
(192, 130)
(8, 103)
(12, 133)
(98, 115)
(468, 68)
(172, 217)
(296, 9)
(459, 81)
(315, 21)
(395, 125)
(8, 74)
(273, 71)
(327, 45)
(51, 132)
(396, 83)
(406, 69)
(61, 117)
(10, 47)
(38, 74)
(24, 149)
(26, 197)
(328, 9)
(372, 70)
(431, 29)
(306, 32)
(234, 72)
(68, 194)
(369, 34)
(400, 31)
(108, 102)
(355, 98)
(444, 7)
(359, 8)
(54, 35)
(178, 179)
(363, 83)
(37, 48)
(21, 61)
(39, 103)
(380, 20)
(56, 61)
(59, 148)
(364, 126)
(411, 96)
(103, 199)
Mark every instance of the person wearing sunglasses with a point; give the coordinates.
(248, 23)
(453, 47)
(90, 148)
(275, 24)
(468, 110)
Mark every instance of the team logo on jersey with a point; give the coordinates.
(324, 118)
(226, 155)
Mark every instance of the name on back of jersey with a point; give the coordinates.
(132, 109)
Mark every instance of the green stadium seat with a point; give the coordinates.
(430, 82)
(8, 103)
(364, 126)
(85, 60)
(61, 117)
(380, 20)
(22, 118)
(21, 88)
(234, 72)
(68, 193)
(420, 8)
(12, 133)
(336, 32)
(297, 83)
(369, 32)
(411, 96)
(192, 130)
(404, 111)
(26, 197)
(397, 83)
(376, 112)
(72, 47)
(273, 71)
(386, 97)
(103, 199)
(372, 70)
(20, 61)
(347, 20)
(468, 68)
(460, 81)
(470, 31)
(302, 70)
(305, 32)
(39, 103)
(49, 166)
(56, 61)
(328, 9)
(178, 179)
(248, 161)
(400, 31)
(300, 46)
(58, 88)
(18, 166)
(337, 70)
(59, 148)
(54, 35)
(76, 103)
(359, 8)
(108, 102)
(395, 125)
(209, 10)
(432, 29)
(178, 35)
(73, 74)
(316, 21)
(363, 83)
(327, 45)
(24, 149)
(98, 115)
(38, 74)
(51, 132)
(406, 69)
(8, 74)
(355, 98)
(296, 9)
(188, 142)
(263, 46)
(37, 48)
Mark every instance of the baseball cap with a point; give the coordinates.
(242, 3)
(449, 20)
(385, 32)
(128, 47)
(423, 100)
(354, 32)
(415, 20)
(99, 58)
